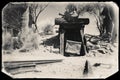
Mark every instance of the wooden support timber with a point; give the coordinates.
(62, 33)
(15, 67)
(71, 30)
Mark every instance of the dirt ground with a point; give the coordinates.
(70, 67)
(99, 65)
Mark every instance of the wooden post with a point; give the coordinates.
(62, 33)
(83, 42)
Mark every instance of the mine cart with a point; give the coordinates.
(71, 34)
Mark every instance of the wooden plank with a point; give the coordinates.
(15, 67)
(7, 63)
(72, 26)
(62, 34)
(18, 70)
(62, 21)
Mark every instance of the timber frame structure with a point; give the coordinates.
(72, 31)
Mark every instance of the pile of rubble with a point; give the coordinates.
(98, 46)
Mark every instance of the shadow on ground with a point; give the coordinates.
(53, 41)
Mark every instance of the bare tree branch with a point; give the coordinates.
(40, 12)
(35, 10)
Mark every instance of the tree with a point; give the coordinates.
(94, 9)
(12, 24)
(11, 16)
(35, 10)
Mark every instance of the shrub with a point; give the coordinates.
(7, 41)
(17, 44)
(48, 29)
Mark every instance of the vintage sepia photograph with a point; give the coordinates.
(60, 40)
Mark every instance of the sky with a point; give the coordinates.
(51, 12)
(54, 8)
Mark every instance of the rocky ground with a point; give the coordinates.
(100, 64)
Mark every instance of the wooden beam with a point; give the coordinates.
(62, 34)
(80, 21)
(83, 42)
